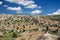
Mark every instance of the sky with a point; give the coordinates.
(30, 7)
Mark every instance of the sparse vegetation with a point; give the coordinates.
(14, 35)
(13, 26)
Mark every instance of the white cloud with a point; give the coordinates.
(17, 9)
(32, 6)
(1, 2)
(56, 13)
(21, 2)
(26, 3)
(39, 7)
(36, 12)
(5, 6)
(14, 8)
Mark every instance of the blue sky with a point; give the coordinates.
(33, 7)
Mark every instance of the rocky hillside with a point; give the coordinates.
(24, 27)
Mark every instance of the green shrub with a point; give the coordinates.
(23, 30)
(23, 26)
(14, 35)
(12, 30)
(22, 39)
